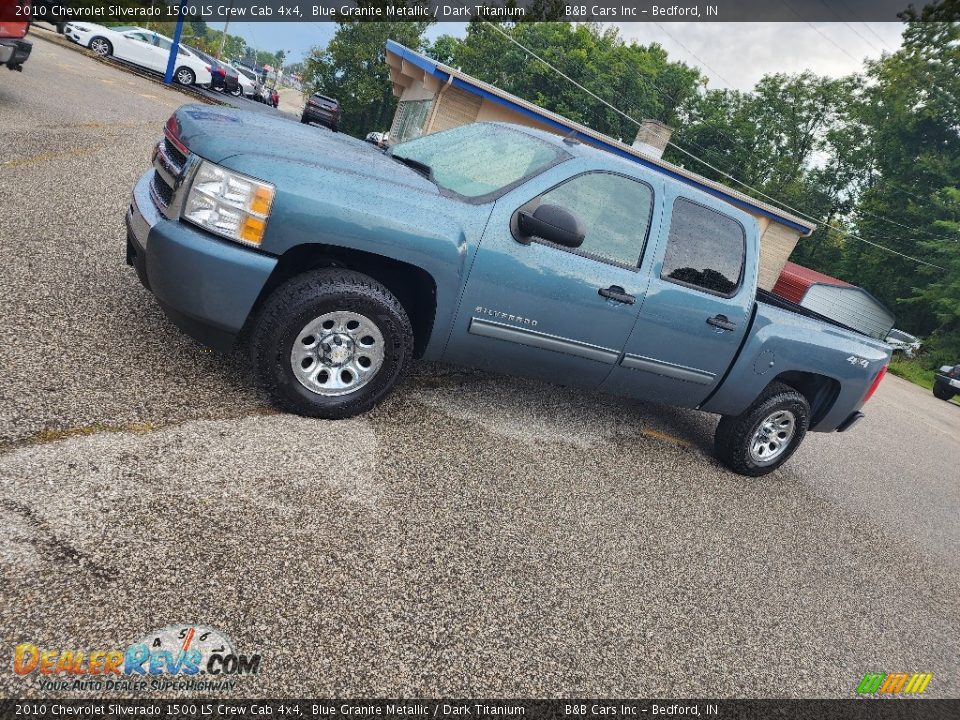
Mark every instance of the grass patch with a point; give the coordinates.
(913, 371)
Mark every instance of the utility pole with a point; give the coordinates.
(223, 38)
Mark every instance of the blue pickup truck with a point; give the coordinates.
(493, 246)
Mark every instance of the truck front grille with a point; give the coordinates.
(169, 170)
(162, 193)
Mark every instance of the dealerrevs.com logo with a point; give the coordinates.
(180, 657)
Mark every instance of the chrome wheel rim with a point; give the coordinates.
(772, 437)
(185, 77)
(100, 47)
(337, 353)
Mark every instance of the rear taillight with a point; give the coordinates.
(875, 384)
(172, 132)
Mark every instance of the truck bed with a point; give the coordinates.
(765, 296)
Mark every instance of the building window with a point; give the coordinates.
(409, 120)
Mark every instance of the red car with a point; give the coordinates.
(14, 50)
(274, 97)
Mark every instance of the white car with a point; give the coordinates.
(247, 82)
(138, 46)
(903, 342)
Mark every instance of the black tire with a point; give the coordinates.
(304, 120)
(942, 391)
(735, 434)
(237, 91)
(184, 76)
(101, 46)
(289, 310)
(334, 128)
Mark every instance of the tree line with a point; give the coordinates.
(873, 158)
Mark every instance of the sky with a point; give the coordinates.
(731, 55)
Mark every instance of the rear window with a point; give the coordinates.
(705, 249)
(324, 97)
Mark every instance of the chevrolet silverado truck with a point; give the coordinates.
(14, 23)
(333, 263)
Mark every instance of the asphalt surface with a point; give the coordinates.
(474, 535)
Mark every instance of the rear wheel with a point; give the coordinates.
(330, 344)
(101, 46)
(765, 435)
(304, 120)
(942, 391)
(237, 91)
(185, 76)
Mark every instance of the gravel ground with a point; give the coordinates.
(475, 535)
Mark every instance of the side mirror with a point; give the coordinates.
(554, 224)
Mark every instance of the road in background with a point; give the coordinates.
(474, 535)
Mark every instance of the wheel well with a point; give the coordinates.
(412, 286)
(819, 390)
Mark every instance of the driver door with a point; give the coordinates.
(534, 308)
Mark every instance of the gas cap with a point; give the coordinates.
(764, 362)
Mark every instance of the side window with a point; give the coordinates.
(705, 249)
(615, 211)
(139, 37)
(162, 43)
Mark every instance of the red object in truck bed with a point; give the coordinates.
(795, 280)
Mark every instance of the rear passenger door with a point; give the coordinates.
(697, 306)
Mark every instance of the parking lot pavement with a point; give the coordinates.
(475, 535)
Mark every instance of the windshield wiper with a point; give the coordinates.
(420, 167)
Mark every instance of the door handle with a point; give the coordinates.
(721, 322)
(615, 292)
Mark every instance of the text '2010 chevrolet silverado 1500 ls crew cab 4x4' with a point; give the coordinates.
(489, 246)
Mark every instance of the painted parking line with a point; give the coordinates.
(656, 434)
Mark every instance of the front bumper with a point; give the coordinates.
(14, 53)
(207, 286)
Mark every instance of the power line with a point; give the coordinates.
(695, 56)
(727, 175)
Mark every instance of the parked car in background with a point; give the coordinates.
(380, 139)
(144, 48)
(274, 97)
(323, 110)
(52, 12)
(14, 49)
(223, 77)
(534, 261)
(249, 82)
(946, 383)
(903, 343)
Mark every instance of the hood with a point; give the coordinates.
(216, 134)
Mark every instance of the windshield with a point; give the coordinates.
(478, 159)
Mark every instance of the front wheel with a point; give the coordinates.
(185, 76)
(942, 391)
(101, 46)
(237, 91)
(765, 435)
(330, 344)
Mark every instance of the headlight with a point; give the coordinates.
(229, 204)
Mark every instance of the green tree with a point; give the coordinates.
(353, 69)
(639, 80)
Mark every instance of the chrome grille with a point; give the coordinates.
(162, 193)
(170, 167)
